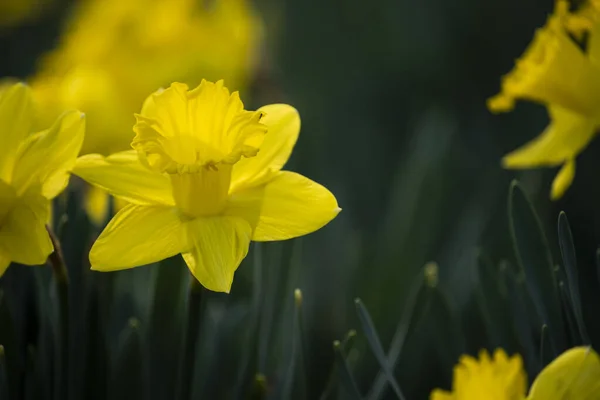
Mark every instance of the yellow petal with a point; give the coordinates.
(16, 119)
(283, 123)
(219, 244)
(290, 205)
(566, 136)
(563, 180)
(123, 176)
(47, 157)
(540, 74)
(138, 235)
(23, 234)
(438, 394)
(575, 374)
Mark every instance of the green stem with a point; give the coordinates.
(188, 360)
(61, 278)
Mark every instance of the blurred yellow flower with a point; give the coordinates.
(575, 375)
(13, 12)
(34, 168)
(557, 72)
(114, 52)
(204, 180)
(499, 377)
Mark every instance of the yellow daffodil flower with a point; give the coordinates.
(557, 72)
(500, 376)
(114, 52)
(204, 180)
(34, 168)
(574, 375)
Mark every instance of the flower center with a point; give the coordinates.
(196, 136)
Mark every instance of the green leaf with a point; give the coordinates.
(295, 379)
(330, 388)
(567, 250)
(165, 331)
(535, 262)
(413, 311)
(523, 322)
(373, 339)
(10, 352)
(4, 393)
(345, 374)
(33, 380)
(126, 381)
(492, 303)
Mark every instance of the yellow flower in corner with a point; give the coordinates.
(574, 375)
(498, 377)
(34, 168)
(204, 180)
(556, 72)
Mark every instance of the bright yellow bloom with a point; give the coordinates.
(204, 180)
(497, 378)
(34, 168)
(574, 375)
(114, 52)
(556, 72)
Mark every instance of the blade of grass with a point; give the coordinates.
(567, 250)
(295, 376)
(373, 339)
(535, 261)
(344, 372)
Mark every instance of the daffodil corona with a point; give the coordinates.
(562, 74)
(34, 168)
(203, 180)
(575, 375)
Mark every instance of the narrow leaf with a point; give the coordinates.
(567, 250)
(345, 374)
(10, 353)
(126, 382)
(535, 262)
(375, 343)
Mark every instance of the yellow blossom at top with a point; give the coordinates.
(574, 375)
(112, 53)
(204, 179)
(563, 75)
(34, 168)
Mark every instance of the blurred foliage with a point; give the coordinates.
(392, 99)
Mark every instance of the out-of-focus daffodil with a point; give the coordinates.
(204, 180)
(34, 168)
(500, 376)
(559, 73)
(113, 53)
(575, 374)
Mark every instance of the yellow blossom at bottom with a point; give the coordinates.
(574, 375)
(498, 377)
(204, 180)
